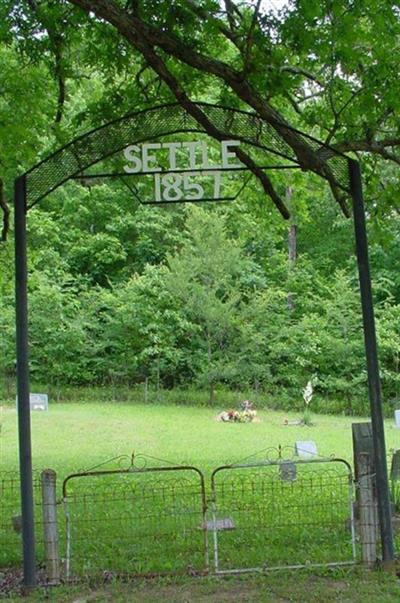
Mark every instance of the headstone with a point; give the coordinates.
(395, 467)
(219, 524)
(38, 401)
(306, 449)
(397, 418)
(288, 471)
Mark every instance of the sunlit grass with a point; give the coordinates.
(74, 436)
(134, 530)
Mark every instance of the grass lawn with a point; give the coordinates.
(74, 436)
(71, 437)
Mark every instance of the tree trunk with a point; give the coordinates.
(292, 247)
(210, 379)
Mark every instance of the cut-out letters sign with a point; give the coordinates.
(181, 169)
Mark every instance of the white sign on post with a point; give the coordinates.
(37, 401)
(187, 164)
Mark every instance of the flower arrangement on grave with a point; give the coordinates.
(305, 419)
(246, 414)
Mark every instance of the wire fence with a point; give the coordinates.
(151, 518)
(10, 518)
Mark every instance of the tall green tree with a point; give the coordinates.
(211, 276)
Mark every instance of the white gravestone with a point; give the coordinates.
(397, 418)
(306, 449)
(38, 401)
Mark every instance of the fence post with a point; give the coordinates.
(49, 505)
(368, 511)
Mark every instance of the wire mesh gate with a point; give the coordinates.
(282, 514)
(258, 516)
(136, 521)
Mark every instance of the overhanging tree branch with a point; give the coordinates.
(159, 66)
(143, 37)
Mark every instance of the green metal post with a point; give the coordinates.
(378, 431)
(24, 419)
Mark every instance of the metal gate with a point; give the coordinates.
(262, 515)
(135, 521)
(282, 514)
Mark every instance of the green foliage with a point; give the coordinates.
(207, 277)
(123, 294)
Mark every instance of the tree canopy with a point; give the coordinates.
(328, 68)
(121, 292)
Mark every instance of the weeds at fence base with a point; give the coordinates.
(329, 586)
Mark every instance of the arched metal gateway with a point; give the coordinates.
(245, 138)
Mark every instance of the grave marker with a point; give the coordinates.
(306, 449)
(37, 401)
(288, 471)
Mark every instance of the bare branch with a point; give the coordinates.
(372, 146)
(304, 72)
(339, 196)
(59, 71)
(337, 115)
(232, 11)
(250, 38)
(294, 103)
(304, 99)
(6, 213)
(206, 16)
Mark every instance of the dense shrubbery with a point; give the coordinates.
(209, 315)
(122, 294)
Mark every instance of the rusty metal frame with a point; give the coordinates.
(270, 463)
(132, 471)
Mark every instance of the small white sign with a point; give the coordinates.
(397, 418)
(37, 401)
(307, 449)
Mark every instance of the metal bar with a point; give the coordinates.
(205, 200)
(378, 431)
(133, 471)
(278, 568)
(352, 518)
(279, 462)
(181, 171)
(24, 419)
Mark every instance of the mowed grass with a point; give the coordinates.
(77, 436)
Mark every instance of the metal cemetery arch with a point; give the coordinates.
(72, 160)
